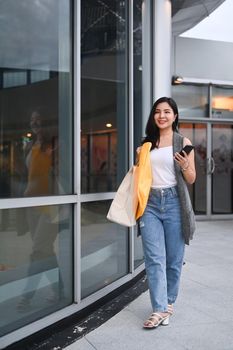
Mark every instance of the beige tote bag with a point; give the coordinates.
(124, 205)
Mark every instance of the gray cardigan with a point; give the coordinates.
(187, 214)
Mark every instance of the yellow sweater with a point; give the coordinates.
(39, 170)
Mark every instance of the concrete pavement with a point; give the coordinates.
(203, 318)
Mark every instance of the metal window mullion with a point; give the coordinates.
(131, 117)
(130, 85)
(210, 99)
(209, 176)
(93, 197)
(77, 150)
(208, 154)
(14, 203)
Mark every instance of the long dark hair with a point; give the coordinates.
(152, 130)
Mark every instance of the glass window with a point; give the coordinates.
(36, 259)
(35, 98)
(192, 100)
(103, 90)
(99, 170)
(222, 102)
(104, 248)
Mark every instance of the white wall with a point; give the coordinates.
(206, 59)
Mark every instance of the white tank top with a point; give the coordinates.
(163, 171)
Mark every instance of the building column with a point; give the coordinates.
(162, 32)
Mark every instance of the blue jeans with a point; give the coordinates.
(163, 246)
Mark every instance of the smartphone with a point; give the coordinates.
(187, 149)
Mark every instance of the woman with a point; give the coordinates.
(167, 223)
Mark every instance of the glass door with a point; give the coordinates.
(211, 131)
(221, 169)
(193, 104)
(212, 192)
(222, 150)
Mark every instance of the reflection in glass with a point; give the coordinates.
(99, 170)
(104, 248)
(138, 250)
(222, 102)
(192, 100)
(103, 91)
(39, 155)
(222, 177)
(35, 263)
(196, 133)
(35, 82)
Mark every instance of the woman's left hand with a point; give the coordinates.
(186, 163)
(183, 161)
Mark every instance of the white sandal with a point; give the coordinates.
(170, 309)
(156, 319)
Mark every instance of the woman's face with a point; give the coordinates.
(35, 123)
(164, 116)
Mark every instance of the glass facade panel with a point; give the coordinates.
(104, 248)
(192, 100)
(222, 102)
(138, 112)
(35, 108)
(103, 91)
(197, 134)
(36, 263)
(222, 173)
